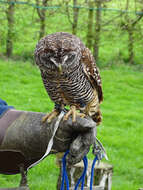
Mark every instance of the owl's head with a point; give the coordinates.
(59, 52)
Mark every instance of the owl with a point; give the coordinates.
(70, 76)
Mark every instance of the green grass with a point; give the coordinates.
(121, 130)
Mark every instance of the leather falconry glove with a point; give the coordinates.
(25, 139)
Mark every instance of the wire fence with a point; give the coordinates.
(77, 6)
(115, 34)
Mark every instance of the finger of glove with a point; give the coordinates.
(71, 160)
(81, 124)
(79, 148)
(88, 138)
(82, 140)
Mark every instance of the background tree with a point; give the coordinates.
(129, 25)
(98, 4)
(90, 23)
(42, 16)
(75, 14)
(106, 28)
(10, 27)
(98, 24)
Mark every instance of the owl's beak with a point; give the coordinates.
(60, 68)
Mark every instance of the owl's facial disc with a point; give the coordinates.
(62, 62)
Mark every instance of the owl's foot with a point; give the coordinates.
(74, 114)
(50, 116)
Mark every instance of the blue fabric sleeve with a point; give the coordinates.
(4, 107)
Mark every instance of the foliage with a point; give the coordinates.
(114, 38)
(120, 132)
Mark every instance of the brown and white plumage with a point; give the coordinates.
(69, 73)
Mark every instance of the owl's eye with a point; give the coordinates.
(69, 58)
(53, 60)
(45, 57)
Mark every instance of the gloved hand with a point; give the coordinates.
(25, 139)
(76, 137)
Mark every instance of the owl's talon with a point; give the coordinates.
(67, 115)
(44, 119)
(74, 114)
(82, 115)
(50, 116)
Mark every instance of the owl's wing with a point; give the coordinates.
(92, 72)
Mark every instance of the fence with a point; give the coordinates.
(113, 33)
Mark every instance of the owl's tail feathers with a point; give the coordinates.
(97, 117)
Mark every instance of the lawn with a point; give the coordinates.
(121, 130)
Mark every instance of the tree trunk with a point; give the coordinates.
(42, 27)
(42, 16)
(75, 17)
(129, 28)
(97, 30)
(10, 20)
(130, 45)
(90, 26)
